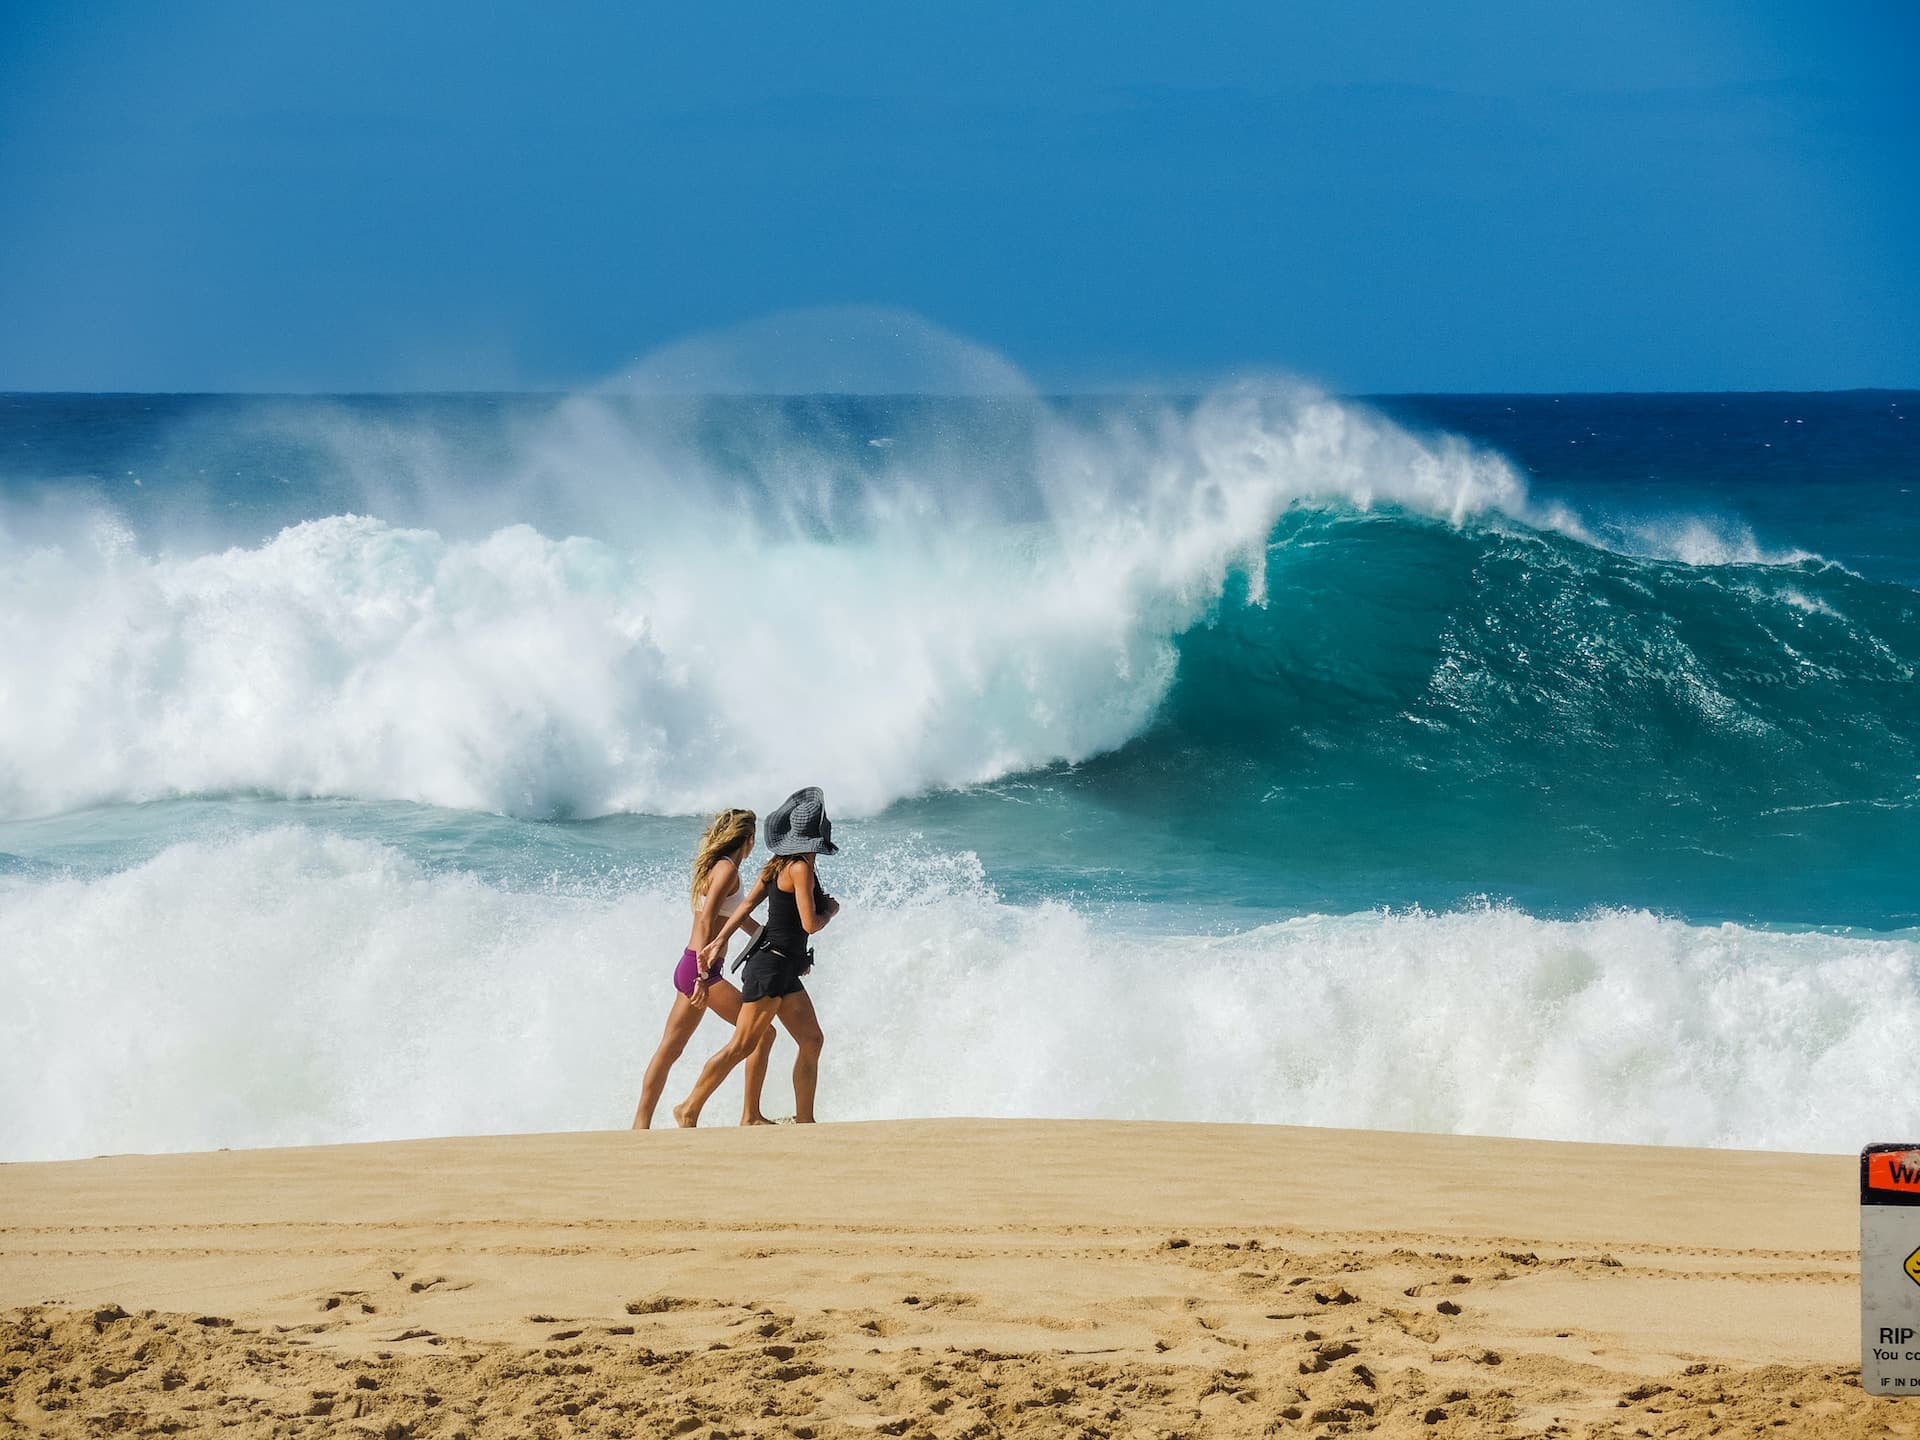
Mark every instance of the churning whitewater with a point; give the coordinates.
(296, 987)
(1256, 758)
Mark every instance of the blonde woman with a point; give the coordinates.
(716, 893)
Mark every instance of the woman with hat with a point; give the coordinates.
(771, 967)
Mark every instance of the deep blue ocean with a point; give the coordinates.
(1539, 765)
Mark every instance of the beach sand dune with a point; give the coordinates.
(937, 1278)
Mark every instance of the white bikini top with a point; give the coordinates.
(727, 906)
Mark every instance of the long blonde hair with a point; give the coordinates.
(723, 837)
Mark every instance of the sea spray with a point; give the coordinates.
(954, 633)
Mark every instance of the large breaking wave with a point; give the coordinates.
(1269, 571)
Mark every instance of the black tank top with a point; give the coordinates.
(783, 930)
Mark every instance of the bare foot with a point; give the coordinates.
(756, 1120)
(682, 1117)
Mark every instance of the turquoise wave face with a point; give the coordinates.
(1423, 714)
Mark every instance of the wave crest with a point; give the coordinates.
(908, 632)
(781, 604)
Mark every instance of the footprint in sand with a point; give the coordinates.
(660, 1304)
(944, 1301)
(1324, 1355)
(1434, 1287)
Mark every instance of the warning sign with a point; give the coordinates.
(1890, 1269)
(1896, 1169)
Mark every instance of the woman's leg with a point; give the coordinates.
(682, 1021)
(796, 1013)
(725, 1002)
(748, 1031)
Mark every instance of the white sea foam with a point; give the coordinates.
(295, 987)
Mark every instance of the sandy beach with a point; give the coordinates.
(937, 1278)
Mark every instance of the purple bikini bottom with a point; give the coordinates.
(686, 972)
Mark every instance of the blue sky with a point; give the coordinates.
(1384, 196)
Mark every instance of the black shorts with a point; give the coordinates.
(770, 975)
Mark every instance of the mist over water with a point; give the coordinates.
(351, 752)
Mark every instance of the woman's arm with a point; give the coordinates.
(811, 920)
(740, 918)
(722, 880)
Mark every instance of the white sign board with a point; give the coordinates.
(1890, 1269)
